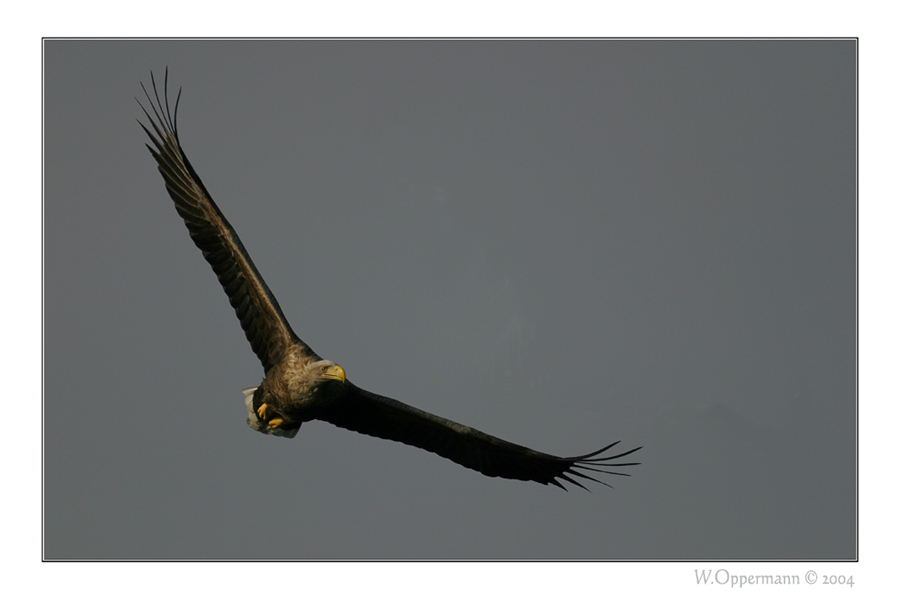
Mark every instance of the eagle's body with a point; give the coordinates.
(296, 390)
(299, 385)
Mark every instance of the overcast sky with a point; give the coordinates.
(561, 243)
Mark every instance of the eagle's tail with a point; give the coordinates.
(258, 425)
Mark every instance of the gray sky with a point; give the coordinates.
(559, 243)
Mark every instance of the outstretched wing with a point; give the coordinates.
(371, 414)
(261, 318)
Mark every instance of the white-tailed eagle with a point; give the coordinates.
(299, 385)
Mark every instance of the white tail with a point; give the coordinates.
(257, 425)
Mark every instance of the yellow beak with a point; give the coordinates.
(335, 372)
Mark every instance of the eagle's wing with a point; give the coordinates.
(371, 414)
(261, 318)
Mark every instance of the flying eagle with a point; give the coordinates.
(299, 385)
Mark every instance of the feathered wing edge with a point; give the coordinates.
(371, 414)
(261, 318)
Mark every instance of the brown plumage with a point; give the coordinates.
(299, 385)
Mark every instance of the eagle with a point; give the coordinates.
(300, 385)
